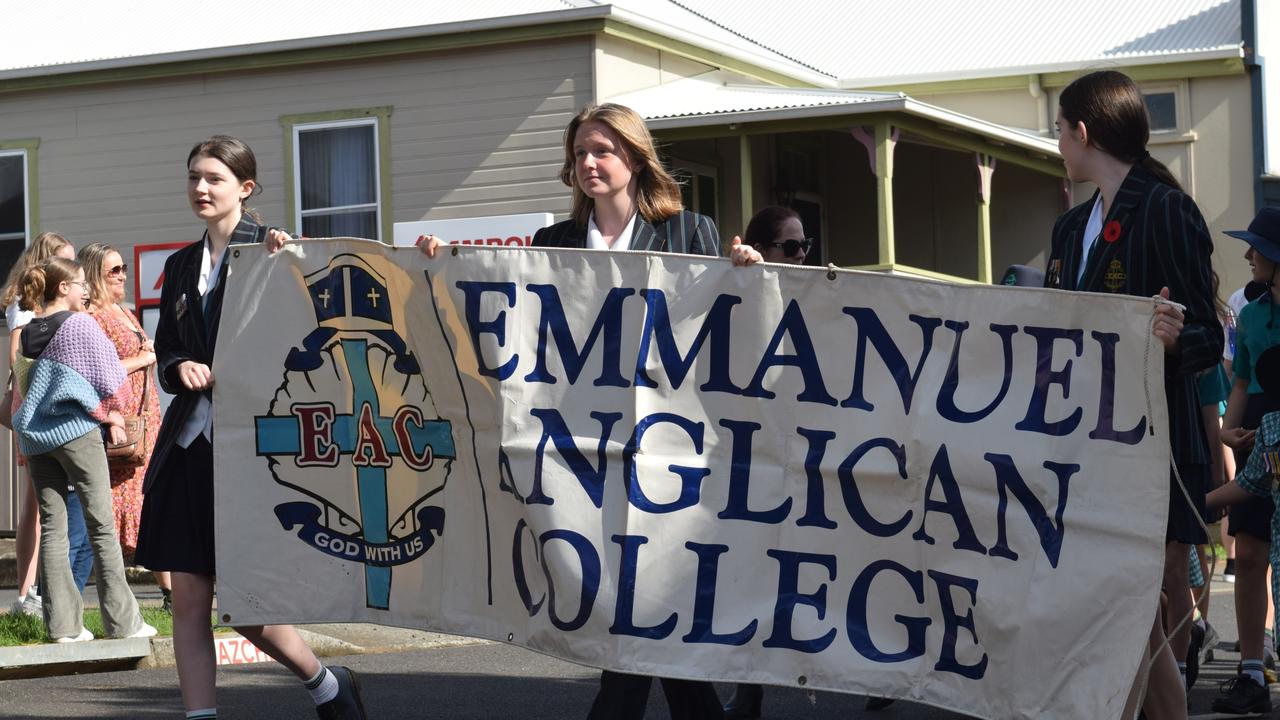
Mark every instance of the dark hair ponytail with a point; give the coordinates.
(1111, 107)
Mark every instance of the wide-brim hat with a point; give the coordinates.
(1263, 233)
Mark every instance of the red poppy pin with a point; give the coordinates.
(1111, 232)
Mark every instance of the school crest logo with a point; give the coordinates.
(354, 431)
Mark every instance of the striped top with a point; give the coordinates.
(1156, 238)
(70, 385)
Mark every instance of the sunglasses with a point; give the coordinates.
(791, 248)
(118, 270)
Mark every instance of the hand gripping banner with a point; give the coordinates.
(667, 465)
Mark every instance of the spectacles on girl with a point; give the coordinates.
(118, 269)
(791, 248)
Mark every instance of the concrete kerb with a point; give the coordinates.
(52, 659)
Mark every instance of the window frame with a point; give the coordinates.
(376, 117)
(26, 149)
(688, 171)
(1181, 112)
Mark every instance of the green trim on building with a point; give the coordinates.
(990, 84)
(621, 30)
(1151, 73)
(1140, 73)
(383, 116)
(890, 268)
(31, 146)
(954, 137)
(288, 58)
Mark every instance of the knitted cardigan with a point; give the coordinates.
(70, 388)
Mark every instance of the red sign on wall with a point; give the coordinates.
(148, 271)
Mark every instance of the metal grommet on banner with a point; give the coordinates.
(226, 617)
(831, 271)
(803, 681)
(455, 250)
(511, 637)
(235, 254)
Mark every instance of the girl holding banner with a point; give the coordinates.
(1141, 235)
(624, 199)
(176, 531)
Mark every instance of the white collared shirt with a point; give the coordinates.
(200, 421)
(595, 240)
(1092, 231)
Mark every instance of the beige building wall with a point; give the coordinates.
(621, 66)
(473, 132)
(1210, 152)
(1015, 108)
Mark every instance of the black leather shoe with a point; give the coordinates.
(745, 703)
(346, 705)
(878, 703)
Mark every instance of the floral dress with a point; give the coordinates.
(126, 483)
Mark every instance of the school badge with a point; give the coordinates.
(354, 431)
(1115, 276)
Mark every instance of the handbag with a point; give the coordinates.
(133, 451)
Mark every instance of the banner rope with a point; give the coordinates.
(1212, 554)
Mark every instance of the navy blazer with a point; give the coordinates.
(1163, 242)
(187, 331)
(685, 232)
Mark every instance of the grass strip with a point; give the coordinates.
(19, 629)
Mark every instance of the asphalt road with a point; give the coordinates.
(479, 681)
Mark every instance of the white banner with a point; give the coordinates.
(667, 465)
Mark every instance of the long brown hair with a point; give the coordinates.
(238, 158)
(40, 283)
(91, 257)
(1111, 107)
(657, 193)
(45, 246)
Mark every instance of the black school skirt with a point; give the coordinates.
(176, 529)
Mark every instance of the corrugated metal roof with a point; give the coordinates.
(719, 92)
(718, 97)
(141, 32)
(871, 42)
(821, 42)
(60, 33)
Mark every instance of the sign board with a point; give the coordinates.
(504, 230)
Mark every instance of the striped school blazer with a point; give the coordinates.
(685, 232)
(1162, 242)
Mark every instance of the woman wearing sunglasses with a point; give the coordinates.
(105, 273)
(778, 235)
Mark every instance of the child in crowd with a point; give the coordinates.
(1257, 332)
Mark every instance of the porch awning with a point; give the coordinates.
(719, 98)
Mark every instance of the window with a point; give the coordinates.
(697, 187)
(15, 202)
(339, 167)
(1162, 108)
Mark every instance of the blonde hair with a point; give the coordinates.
(91, 257)
(657, 193)
(39, 284)
(45, 246)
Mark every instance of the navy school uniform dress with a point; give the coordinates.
(1154, 236)
(623, 696)
(176, 528)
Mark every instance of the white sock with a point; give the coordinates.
(203, 714)
(323, 686)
